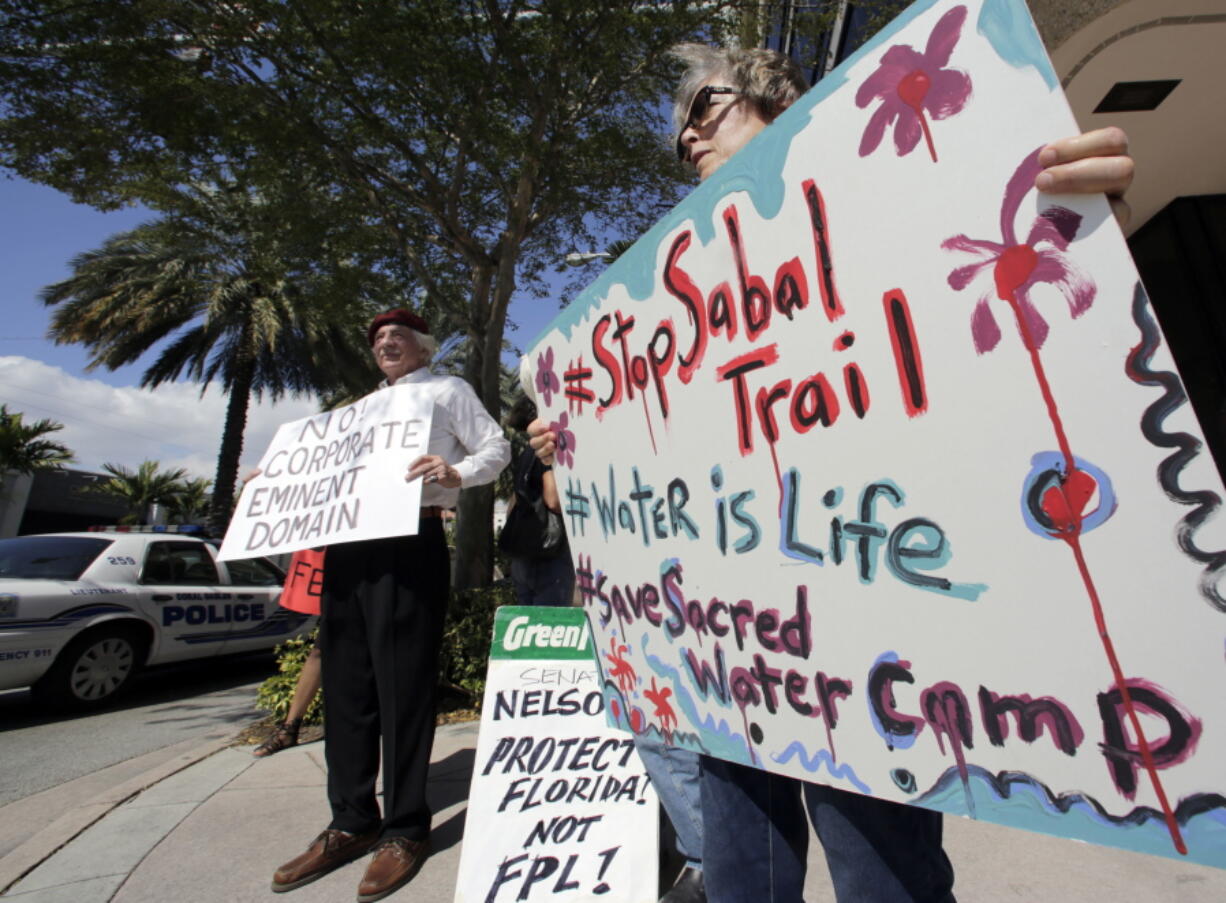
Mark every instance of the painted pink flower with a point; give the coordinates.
(1019, 266)
(546, 380)
(565, 453)
(910, 83)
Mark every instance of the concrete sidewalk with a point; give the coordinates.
(214, 825)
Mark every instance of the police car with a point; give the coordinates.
(81, 613)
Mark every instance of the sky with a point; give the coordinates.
(107, 418)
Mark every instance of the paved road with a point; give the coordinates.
(52, 761)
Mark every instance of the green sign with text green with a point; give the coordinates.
(539, 632)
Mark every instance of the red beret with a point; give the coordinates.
(398, 315)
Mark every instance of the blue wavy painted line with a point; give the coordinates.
(685, 702)
(712, 736)
(674, 676)
(1017, 799)
(1187, 447)
(635, 270)
(1009, 29)
(813, 763)
(717, 737)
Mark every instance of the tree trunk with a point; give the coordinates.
(231, 449)
(474, 536)
(492, 290)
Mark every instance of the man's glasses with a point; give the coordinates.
(699, 107)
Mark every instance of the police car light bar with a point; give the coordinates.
(147, 528)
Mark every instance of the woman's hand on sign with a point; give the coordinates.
(250, 475)
(433, 469)
(543, 442)
(1090, 163)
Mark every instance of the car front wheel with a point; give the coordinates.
(92, 669)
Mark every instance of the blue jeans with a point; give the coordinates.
(543, 581)
(756, 841)
(676, 775)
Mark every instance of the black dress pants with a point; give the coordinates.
(383, 605)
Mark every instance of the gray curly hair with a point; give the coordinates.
(766, 78)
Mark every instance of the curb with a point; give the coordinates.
(43, 845)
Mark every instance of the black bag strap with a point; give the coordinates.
(523, 475)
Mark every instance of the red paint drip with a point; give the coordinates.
(753, 758)
(778, 478)
(1013, 268)
(912, 90)
(950, 726)
(650, 432)
(1172, 826)
(834, 757)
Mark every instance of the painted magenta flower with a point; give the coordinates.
(546, 380)
(565, 453)
(1019, 266)
(910, 84)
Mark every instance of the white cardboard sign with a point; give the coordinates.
(560, 808)
(878, 472)
(335, 477)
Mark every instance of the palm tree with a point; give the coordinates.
(191, 500)
(143, 488)
(25, 449)
(221, 305)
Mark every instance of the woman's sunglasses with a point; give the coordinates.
(698, 113)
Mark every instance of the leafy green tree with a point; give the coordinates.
(141, 489)
(217, 305)
(815, 34)
(482, 139)
(24, 447)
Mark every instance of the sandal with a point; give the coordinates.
(283, 737)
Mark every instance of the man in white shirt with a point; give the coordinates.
(381, 625)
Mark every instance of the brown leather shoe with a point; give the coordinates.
(328, 851)
(396, 861)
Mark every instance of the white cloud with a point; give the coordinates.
(173, 424)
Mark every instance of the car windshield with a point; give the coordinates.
(48, 557)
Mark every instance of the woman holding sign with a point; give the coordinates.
(755, 831)
(533, 537)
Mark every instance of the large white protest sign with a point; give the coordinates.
(335, 477)
(878, 472)
(560, 807)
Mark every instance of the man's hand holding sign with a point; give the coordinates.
(434, 470)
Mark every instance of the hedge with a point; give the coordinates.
(467, 633)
